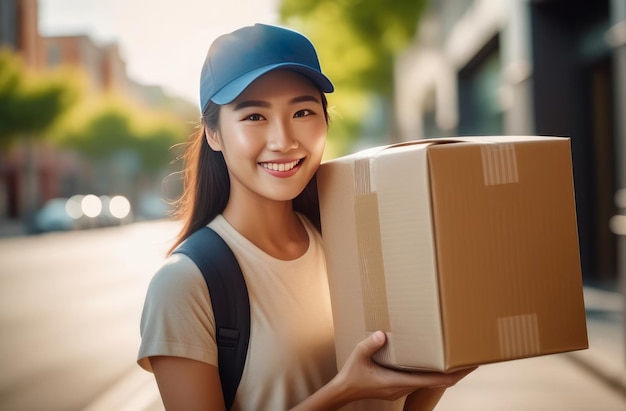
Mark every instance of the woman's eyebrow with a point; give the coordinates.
(304, 99)
(251, 103)
(261, 103)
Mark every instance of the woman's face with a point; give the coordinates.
(272, 137)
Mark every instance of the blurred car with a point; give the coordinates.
(82, 211)
(53, 216)
(152, 207)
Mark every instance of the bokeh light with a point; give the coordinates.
(119, 207)
(91, 205)
(73, 206)
(617, 223)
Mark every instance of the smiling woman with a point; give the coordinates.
(250, 177)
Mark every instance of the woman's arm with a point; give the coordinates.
(187, 385)
(362, 378)
(425, 399)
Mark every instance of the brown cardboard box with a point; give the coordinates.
(464, 251)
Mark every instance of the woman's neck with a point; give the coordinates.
(272, 226)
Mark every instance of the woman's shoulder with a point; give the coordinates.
(178, 277)
(177, 318)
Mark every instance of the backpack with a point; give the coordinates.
(230, 302)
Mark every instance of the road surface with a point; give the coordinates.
(69, 312)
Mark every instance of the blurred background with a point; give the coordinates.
(97, 98)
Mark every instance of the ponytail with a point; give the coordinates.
(206, 185)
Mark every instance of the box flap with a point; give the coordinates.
(376, 151)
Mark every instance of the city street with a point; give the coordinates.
(69, 312)
(69, 321)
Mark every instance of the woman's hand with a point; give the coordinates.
(362, 378)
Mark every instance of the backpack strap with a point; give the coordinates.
(230, 302)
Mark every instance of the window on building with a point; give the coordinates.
(480, 109)
(54, 55)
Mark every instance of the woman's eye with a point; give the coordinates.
(254, 117)
(303, 113)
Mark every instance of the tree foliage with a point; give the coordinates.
(357, 41)
(30, 102)
(109, 126)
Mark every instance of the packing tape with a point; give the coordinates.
(519, 336)
(499, 164)
(370, 254)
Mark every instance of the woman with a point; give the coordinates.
(249, 176)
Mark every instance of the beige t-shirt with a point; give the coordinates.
(291, 351)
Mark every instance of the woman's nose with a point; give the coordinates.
(281, 138)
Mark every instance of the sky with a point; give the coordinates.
(164, 42)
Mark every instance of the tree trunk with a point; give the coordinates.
(30, 194)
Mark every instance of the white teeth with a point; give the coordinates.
(280, 166)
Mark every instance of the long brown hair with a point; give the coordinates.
(206, 184)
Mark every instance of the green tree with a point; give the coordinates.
(115, 134)
(357, 41)
(30, 103)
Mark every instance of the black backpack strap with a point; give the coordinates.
(230, 302)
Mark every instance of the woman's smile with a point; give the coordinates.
(282, 168)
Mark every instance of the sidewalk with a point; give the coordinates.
(606, 356)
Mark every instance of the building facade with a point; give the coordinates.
(531, 67)
(102, 64)
(19, 30)
(35, 171)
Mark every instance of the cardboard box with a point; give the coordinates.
(464, 251)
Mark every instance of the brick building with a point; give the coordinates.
(55, 173)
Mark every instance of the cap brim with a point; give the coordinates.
(232, 90)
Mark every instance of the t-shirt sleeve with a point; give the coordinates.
(177, 318)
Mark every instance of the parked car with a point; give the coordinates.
(81, 212)
(53, 216)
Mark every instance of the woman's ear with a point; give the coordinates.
(213, 138)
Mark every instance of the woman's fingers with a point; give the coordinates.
(363, 378)
(371, 344)
(440, 380)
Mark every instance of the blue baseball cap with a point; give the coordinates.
(236, 59)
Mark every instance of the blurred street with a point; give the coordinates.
(70, 311)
